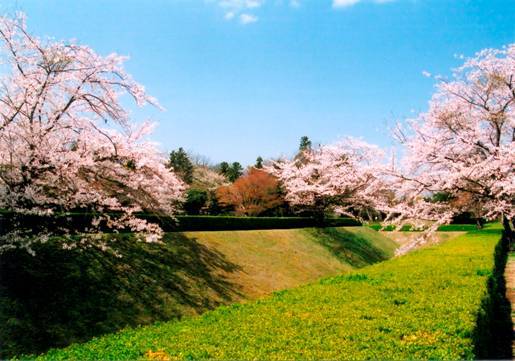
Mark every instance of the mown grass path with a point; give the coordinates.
(510, 290)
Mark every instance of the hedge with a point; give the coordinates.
(79, 221)
(219, 223)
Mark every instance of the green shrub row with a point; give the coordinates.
(223, 223)
(434, 303)
(79, 221)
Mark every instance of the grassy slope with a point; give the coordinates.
(423, 305)
(61, 297)
(274, 260)
(445, 232)
(402, 238)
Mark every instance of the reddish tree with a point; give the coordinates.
(252, 194)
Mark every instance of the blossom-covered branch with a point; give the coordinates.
(66, 141)
(464, 145)
(340, 177)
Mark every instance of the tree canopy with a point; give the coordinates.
(251, 194)
(66, 141)
(463, 146)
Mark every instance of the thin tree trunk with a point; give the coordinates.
(508, 231)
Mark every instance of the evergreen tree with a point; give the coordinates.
(235, 171)
(181, 165)
(196, 199)
(305, 144)
(259, 163)
(223, 168)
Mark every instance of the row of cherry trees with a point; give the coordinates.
(463, 147)
(67, 144)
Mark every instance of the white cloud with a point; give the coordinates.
(229, 15)
(248, 19)
(295, 3)
(344, 3)
(240, 9)
(347, 3)
(251, 4)
(247, 11)
(240, 4)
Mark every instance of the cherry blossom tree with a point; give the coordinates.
(463, 146)
(341, 178)
(206, 178)
(67, 144)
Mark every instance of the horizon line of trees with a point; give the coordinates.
(233, 190)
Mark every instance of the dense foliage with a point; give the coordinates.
(424, 305)
(218, 223)
(252, 194)
(78, 221)
(231, 171)
(341, 178)
(304, 144)
(67, 143)
(196, 200)
(259, 163)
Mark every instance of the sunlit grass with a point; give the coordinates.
(420, 306)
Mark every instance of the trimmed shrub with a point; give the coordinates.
(180, 224)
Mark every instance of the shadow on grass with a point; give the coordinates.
(352, 248)
(60, 297)
(494, 328)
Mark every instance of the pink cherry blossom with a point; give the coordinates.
(67, 143)
(340, 177)
(463, 145)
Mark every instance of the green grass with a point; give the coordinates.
(458, 227)
(357, 246)
(61, 297)
(278, 259)
(442, 228)
(421, 306)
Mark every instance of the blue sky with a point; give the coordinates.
(242, 78)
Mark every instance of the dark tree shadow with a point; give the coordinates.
(354, 249)
(494, 328)
(59, 297)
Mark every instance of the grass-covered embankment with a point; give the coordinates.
(424, 305)
(274, 260)
(59, 297)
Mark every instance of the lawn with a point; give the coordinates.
(433, 303)
(62, 297)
